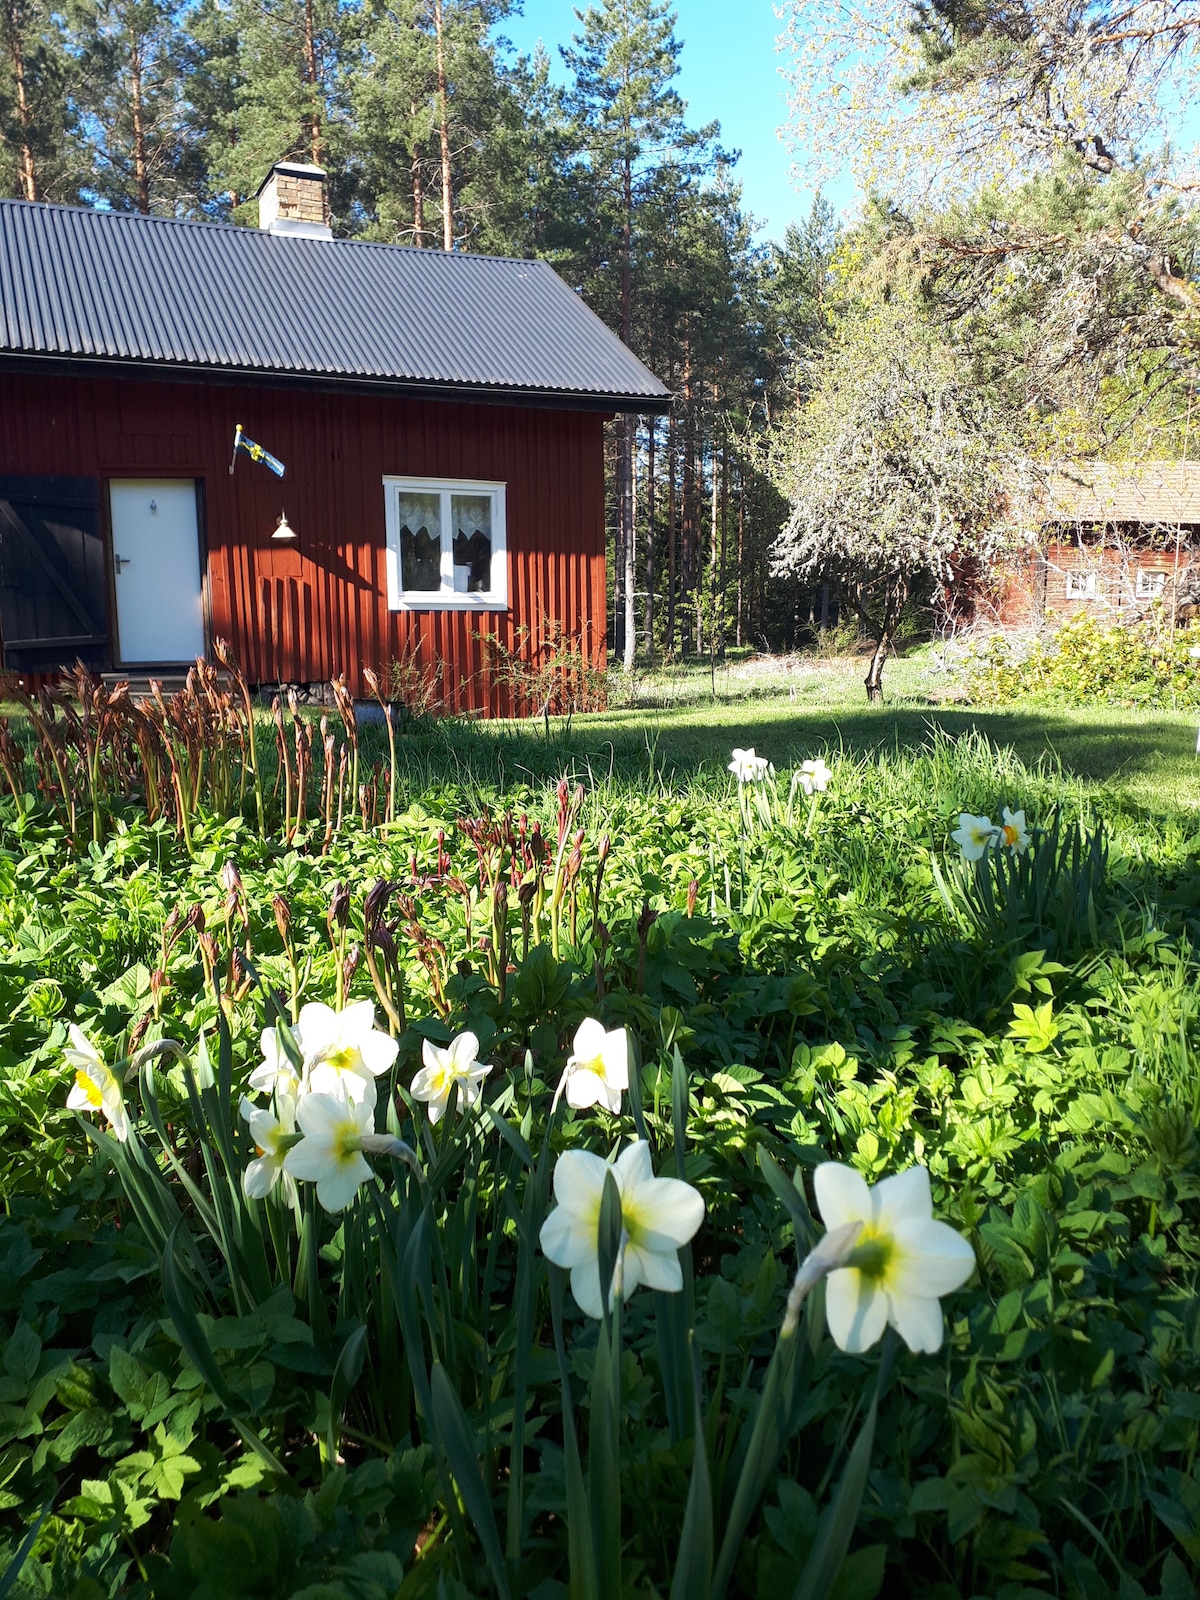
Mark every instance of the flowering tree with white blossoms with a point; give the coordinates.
(898, 473)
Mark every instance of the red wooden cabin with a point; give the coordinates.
(439, 419)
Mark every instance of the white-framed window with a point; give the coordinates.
(1081, 585)
(446, 547)
(1150, 585)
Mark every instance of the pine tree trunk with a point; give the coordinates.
(137, 112)
(444, 133)
(28, 170)
(653, 425)
(741, 550)
(312, 78)
(418, 185)
(672, 575)
(629, 443)
(687, 528)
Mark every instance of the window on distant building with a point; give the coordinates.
(446, 546)
(1081, 585)
(1150, 585)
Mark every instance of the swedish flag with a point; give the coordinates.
(255, 452)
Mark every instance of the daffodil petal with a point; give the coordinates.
(615, 1056)
(585, 1286)
(378, 1052)
(589, 1040)
(259, 1178)
(586, 1088)
(905, 1196)
(931, 1258)
(579, 1181)
(566, 1240)
(918, 1320)
(855, 1309)
(842, 1195)
(657, 1269)
(335, 1190)
(674, 1213)
(633, 1167)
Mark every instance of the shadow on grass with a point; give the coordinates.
(1104, 747)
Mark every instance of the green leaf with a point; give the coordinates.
(693, 1569)
(462, 1456)
(346, 1374)
(838, 1520)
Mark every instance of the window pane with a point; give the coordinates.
(420, 541)
(472, 515)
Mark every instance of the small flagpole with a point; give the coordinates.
(237, 439)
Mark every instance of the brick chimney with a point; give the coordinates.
(292, 200)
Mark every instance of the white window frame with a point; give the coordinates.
(1088, 590)
(446, 598)
(1151, 590)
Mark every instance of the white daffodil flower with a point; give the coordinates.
(271, 1130)
(814, 776)
(342, 1050)
(456, 1065)
(1013, 831)
(275, 1073)
(337, 1130)
(749, 768)
(658, 1216)
(975, 835)
(597, 1069)
(96, 1085)
(901, 1261)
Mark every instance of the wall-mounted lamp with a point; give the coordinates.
(283, 528)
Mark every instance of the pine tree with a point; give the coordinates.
(38, 159)
(630, 121)
(131, 113)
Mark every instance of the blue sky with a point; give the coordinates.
(728, 72)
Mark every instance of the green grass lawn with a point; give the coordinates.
(685, 726)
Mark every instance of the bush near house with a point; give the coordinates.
(1086, 661)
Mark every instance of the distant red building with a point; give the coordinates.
(1117, 540)
(439, 418)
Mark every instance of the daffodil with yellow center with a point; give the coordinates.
(658, 1216)
(96, 1085)
(1013, 831)
(447, 1067)
(597, 1070)
(894, 1261)
(337, 1130)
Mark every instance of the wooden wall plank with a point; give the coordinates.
(311, 609)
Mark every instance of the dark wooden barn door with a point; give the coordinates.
(53, 588)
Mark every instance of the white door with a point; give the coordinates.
(156, 563)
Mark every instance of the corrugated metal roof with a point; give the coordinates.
(109, 286)
(1140, 491)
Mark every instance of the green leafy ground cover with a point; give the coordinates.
(844, 987)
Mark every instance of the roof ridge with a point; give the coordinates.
(107, 213)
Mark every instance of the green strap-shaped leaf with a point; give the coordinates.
(199, 1352)
(346, 1374)
(458, 1443)
(693, 1571)
(836, 1527)
(13, 1571)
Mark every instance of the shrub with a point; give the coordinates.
(1088, 660)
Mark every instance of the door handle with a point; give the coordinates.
(121, 561)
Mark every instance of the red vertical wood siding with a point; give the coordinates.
(307, 611)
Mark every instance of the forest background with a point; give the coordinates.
(1019, 286)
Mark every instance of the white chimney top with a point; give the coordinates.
(291, 200)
